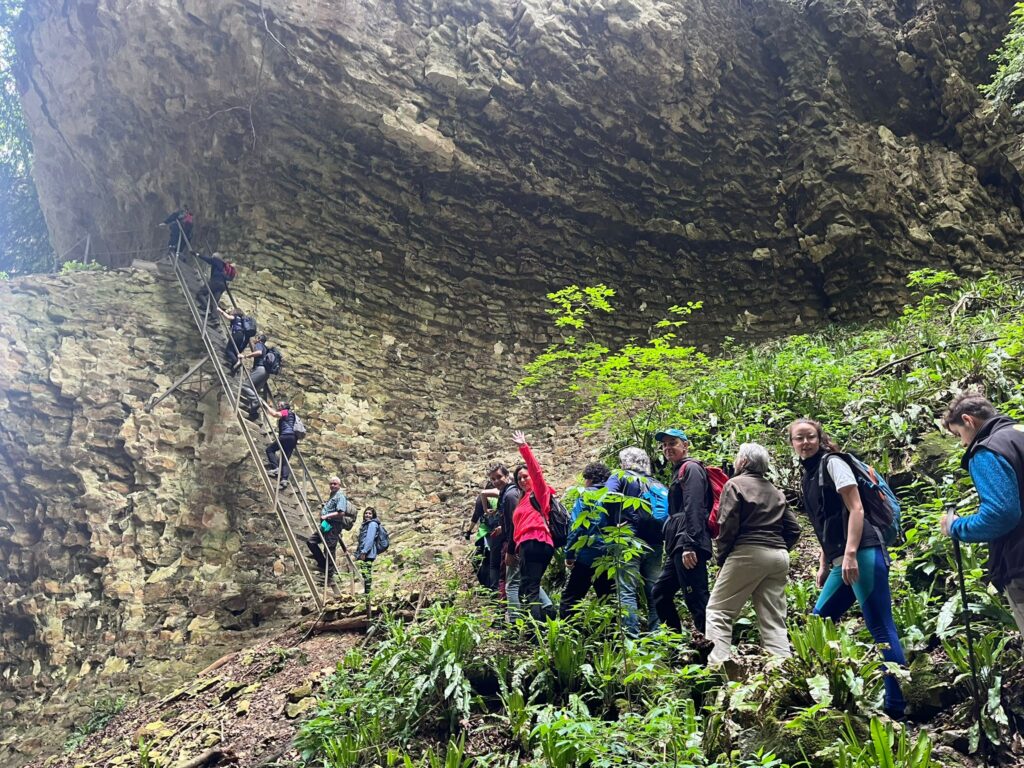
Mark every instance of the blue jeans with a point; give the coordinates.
(635, 574)
(872, 592)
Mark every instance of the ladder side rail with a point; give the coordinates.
(348, 557)
(303, 503)
(270, 487)
(313, 521)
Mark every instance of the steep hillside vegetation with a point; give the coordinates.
(462, 690)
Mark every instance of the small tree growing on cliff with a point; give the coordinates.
(632, 389)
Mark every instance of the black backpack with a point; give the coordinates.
(248, 327)
(558, 520)
(272, 360)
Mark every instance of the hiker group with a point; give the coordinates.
(745, 522)
(244, 344)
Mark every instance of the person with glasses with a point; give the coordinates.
(853, 564)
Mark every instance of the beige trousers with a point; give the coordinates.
(756, 573)
(1015, 597)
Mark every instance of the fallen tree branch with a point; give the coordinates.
(906, 358)
(341, 625)
(355, 623)
(218, 663)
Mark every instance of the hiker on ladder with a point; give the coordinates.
(287, 439)
(336, 516)
(178, 223)
(221, 273)
(242, 328)
(258, 377)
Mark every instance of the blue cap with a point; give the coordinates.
(659, 436)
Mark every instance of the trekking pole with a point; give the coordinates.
(983, 741)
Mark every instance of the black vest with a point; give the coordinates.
(828, 513)
(1004, 437)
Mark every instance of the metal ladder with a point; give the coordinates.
(292, 509)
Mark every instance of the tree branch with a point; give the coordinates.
(890, 365)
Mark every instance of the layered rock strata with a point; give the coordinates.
(400, 184)
(135, 545)
(447, 161)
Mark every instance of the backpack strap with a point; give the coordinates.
(821, 479)
(709, 496)
(536, 505)
(867, 518)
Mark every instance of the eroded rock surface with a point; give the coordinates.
(401, 183)
(779, 159)
(137, 546)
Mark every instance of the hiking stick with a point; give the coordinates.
(983, 741)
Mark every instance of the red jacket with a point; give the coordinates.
(527, 523)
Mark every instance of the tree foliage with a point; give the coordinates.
(1009, 76)
(24, 240)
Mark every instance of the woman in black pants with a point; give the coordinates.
(532, 542)
(286, 437)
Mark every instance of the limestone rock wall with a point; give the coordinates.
(136, 547)
(779, 159)
(127, 539)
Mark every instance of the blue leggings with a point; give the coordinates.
(872, 592)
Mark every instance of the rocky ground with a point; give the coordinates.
(243, 711)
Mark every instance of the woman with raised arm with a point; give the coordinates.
(531, 542)
(853, 564)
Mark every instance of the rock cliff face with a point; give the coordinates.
(135, 546)
(779, 158)
(127, 539)
(401, 182)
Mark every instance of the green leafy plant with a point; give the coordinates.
(414, 684)
(989, 651)
(103, 712)
(832, 668)
(1009, 75)
(77, 266)
(886, 747)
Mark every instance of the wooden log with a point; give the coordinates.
(209, 757)
(218, 663)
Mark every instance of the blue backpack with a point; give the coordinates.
(383, 540)
(650, 518)
(656, 495)
(881, 507)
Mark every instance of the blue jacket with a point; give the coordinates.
(368, 539)
(589, 553)
(999, 512)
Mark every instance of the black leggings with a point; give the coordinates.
(288, 444)
(235, 345)
(581, 578)
(496, 562)
(534, 558)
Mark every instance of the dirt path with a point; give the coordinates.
(242, 711)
